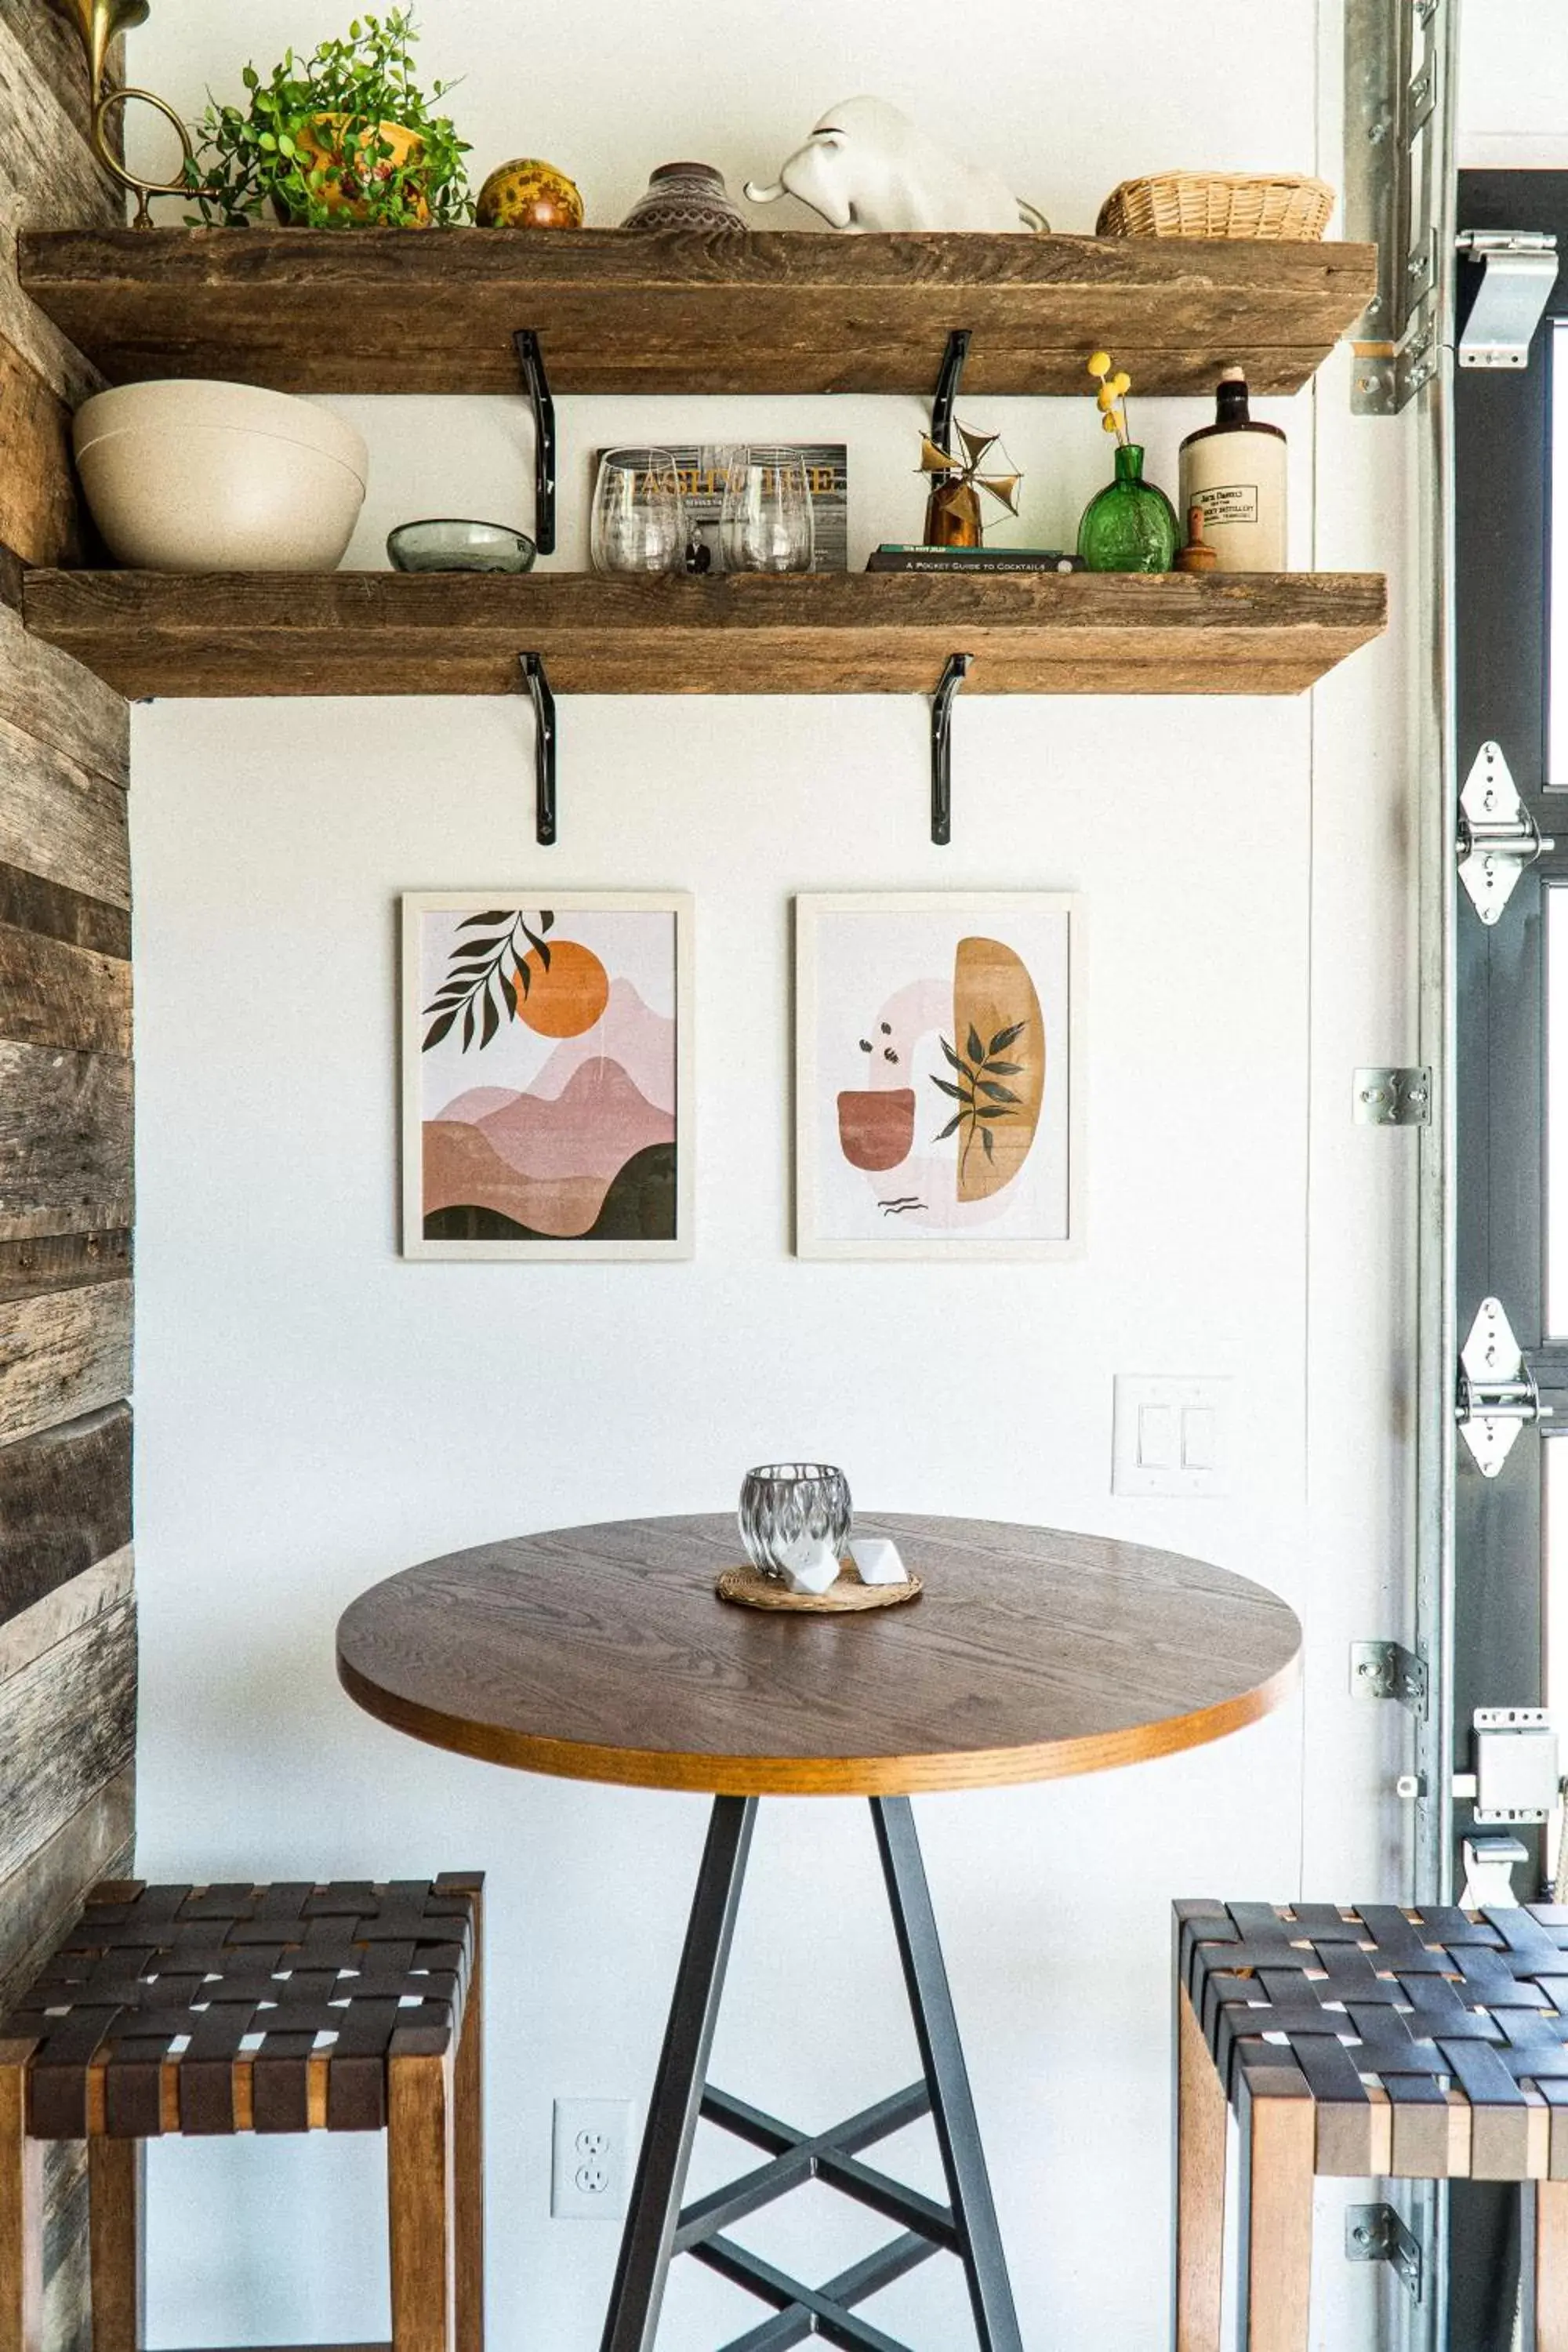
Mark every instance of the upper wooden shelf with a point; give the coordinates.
(619, 310)
(826, 632)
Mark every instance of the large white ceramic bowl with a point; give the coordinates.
(200, 476)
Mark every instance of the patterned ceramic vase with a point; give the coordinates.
(685, 195)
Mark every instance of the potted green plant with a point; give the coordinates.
(344, 138)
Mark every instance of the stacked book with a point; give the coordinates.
(893, 558)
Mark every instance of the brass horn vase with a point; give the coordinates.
(98, 23)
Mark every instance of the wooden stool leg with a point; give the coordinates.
(468, 2145)
(116, 2172)
(1277, 2118)
(21, 2209)
(1551, 2266)
(1200, 2187)
(421, 2187)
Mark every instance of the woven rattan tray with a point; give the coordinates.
(748, 1588)
(1284, 206)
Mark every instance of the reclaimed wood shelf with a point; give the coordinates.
(824, 633)
(624, 311)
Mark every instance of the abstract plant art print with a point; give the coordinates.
(546, 1076)
(938, 1076)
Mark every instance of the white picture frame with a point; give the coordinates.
(579, 1086)
(874, 972)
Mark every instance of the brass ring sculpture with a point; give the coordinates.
(98, 23)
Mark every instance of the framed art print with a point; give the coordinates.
(547, 1105)
(939, 1080)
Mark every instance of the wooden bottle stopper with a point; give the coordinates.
(1197, 555)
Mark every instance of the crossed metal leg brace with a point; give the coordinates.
(658, 2228)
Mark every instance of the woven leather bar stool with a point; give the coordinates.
(201, 2010)
(1428, 2045)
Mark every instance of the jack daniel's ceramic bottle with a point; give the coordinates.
(1233, 471)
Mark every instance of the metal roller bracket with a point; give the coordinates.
(1498, 837)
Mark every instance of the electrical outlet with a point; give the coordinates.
(590, 2150)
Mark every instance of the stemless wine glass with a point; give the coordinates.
(767, 523)
(639, 523)
(789, 1511)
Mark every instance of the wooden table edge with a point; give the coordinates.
(820, 1776)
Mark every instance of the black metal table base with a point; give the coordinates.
(658, 2227)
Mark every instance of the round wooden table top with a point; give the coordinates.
(604, 1654)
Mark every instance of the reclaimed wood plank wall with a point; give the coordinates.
(67, 1626)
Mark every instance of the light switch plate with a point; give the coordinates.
(1173, 1434)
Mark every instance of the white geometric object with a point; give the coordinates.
(867, 167)
(877, 1560)
(811, 1566)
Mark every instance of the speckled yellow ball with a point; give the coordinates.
(527, 194)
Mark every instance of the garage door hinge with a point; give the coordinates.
(1393, 1097)
(1498, 835)
(1497, 1391)
(1375, 2233)
(1388, 1670)
(1520, 266)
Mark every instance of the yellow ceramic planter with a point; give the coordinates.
(319, 143)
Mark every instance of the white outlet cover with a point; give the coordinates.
(590, 2159)
(1173, 1434)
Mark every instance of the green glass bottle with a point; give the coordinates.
(1130, 525)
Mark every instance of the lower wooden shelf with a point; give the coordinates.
(826, 632)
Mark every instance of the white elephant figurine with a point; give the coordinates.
(867, 166)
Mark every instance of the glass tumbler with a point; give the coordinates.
(789, 1513)
(639, 524)
(767, 523)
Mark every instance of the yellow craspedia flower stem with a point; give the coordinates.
(1099, 363)
(1121, 383)
(1108, 424)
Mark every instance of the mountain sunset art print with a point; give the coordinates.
(545, 1076)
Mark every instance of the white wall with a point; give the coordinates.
(1513, 86)
(313, 1414)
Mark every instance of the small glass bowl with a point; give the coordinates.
(789, 1510)
(444, 543)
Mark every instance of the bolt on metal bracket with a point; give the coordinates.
(1375, 2233)
(1497, 1389)
(1393, 1097)
(1388, 1670)
(1521, 270)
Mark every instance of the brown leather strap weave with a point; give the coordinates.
(1415, 2006)
(204, 2009)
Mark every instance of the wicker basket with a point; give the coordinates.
(1283, 205)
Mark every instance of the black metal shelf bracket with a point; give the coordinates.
(954, 671)
(536, 383)
(947, 383)
(538, 683)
